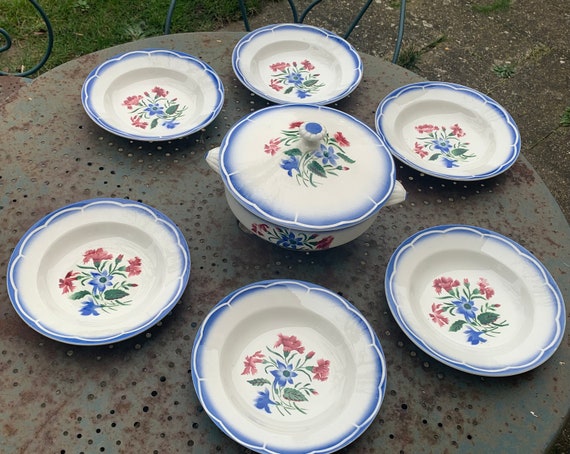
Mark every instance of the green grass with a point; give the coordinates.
(565, 118)
(84, 26)
(411, 55)
(496, 5)
(505, 71)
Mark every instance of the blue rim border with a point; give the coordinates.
(265, 212)
(267, 448)
(68, 210)
(501, 111)
(243, 42)
(96, 73)
(508, 369)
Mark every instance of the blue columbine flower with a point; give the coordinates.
(263, 401)
(449, 163)
(295, 78)
(327, 155)
(155, 109)
(283, 374)
(101, 281)
(465, 307)
(442, 145)
(290, 164)
(289, 240)
(170, 124)
(302, 94)
(89, 308)
(474, 336)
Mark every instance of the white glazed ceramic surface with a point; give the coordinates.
(332, 184)
(297, 240)
(153, 95)
(290, 367)
(296, 63)
(98, 271)
(448, 131)
(475, 300)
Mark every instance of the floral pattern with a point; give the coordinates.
(443, 144)
(154, 109)
(327, 159)
(296, 78)
(287, 375)
(101, 283)
(290, 240)
(470, 307)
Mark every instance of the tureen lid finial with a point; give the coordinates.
(312, 133)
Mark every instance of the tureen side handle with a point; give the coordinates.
(213, 159)
(398, 195)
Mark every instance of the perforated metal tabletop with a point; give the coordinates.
(137, 395)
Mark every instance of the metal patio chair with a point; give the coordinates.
(299, 17)
(8, 43)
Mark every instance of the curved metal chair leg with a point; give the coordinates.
(357, 19)
(49, 48)
(168, 20)
(400, 31)
(244, 15)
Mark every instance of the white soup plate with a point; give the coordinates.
(475, 300)
(448, 131)
(297, 63)
(153, 95)
(98, 271)
(285, 366)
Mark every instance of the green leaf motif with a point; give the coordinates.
(345, 158)
(259, 381)
(172, 109)
(115, 294)
(310, 83)
(293, 152)
(154, 123)
(293, 395)
(486, 318)
(459, 151)
(317, 169)
(79, 295)
(434, 157)
(288, 90)
(456, 326)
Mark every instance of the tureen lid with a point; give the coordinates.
(306, 167)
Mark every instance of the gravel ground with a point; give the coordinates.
(453, 41)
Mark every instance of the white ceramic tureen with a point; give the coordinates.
(305, 177)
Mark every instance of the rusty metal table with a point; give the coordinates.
(137, 395)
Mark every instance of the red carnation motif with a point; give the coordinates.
(321, 370)
(290, 343)
(97, 255)
(444, 283)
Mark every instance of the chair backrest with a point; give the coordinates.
(49, 47)
(300, 17)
